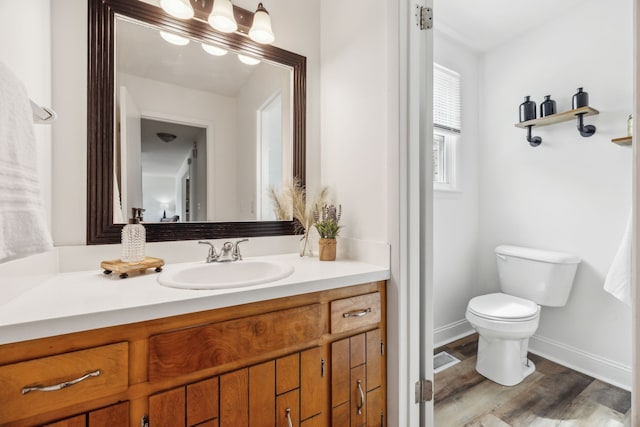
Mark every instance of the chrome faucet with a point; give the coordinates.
(212, 256)
(228, 252)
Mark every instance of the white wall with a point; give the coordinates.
(354, 115)
(297, 29)
(456, 213)
(570, 194)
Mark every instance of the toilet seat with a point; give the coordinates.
(503, 307)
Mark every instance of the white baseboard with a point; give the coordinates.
(451, 332)
(590, 364)
(593, 365)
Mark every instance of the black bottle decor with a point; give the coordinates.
(547, 107)
(527, 110)
(580, 99)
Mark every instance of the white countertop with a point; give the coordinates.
(71, 302)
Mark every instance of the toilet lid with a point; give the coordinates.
(501, 306)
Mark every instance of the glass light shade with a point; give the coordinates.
(214, 50)
(174, 38)
(261, 28)
(179, 8)
(248, 60)
(222, 18)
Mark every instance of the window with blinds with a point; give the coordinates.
(447, 106)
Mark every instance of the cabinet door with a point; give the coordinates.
(202, 401)
(114, 415)
(312, 382)
(262, 397)
(77, 421)
(287, 413)
(357, 378)
(167, 409)
(358, 396)
(234, 399)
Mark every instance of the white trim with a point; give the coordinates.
(579, 360)
(452, 332)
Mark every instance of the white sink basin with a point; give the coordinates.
(225, 275)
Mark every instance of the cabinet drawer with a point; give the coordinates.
(19, 381)
(189, 350)
(355, 312)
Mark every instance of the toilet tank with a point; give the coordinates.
(541, 276)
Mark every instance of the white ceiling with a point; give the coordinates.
(485, 24)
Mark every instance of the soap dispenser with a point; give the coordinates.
(134, 238)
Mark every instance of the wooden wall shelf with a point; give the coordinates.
(627, 140)
(559, 117)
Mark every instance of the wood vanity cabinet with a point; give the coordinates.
(311, 360)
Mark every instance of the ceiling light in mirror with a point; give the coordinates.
(261, 29)
(179, 8)
(214, 50)
(174, 38)
(222, 18)
(248, 60)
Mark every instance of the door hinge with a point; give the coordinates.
(144, 421)
(424, 391)
(424, 17)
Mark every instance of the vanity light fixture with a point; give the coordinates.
(214, 50)
(260, 31)
(174, 38)
(222, 18)
(179, 8)
(249, 60)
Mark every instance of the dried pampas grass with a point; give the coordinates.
(292, 202)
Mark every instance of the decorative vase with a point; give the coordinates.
(305, 245)
(580, 99)
(548, 106)
(327, 249)
(527, 110)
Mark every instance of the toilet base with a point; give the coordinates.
(504, 361)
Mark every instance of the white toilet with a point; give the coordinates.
(505, 321)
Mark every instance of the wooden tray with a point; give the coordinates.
(124, 268)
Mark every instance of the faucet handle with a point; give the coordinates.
(236, 249)
(212, 256)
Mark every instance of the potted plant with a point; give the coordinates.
(327, 222)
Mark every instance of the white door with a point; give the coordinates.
(130, 150)
(420, 206)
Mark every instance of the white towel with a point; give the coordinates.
(23, 228)
(618, 280)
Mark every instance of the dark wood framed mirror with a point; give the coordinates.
(101, 123)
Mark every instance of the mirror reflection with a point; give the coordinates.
(201, 135)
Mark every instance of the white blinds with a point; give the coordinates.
(446, 99)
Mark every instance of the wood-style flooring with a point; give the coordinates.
(552, 396)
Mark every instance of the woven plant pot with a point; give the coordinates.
(327, 249)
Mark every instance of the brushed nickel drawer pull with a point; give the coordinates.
(361, 403)
(358, 313)
(60, 386)
(288, 415)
